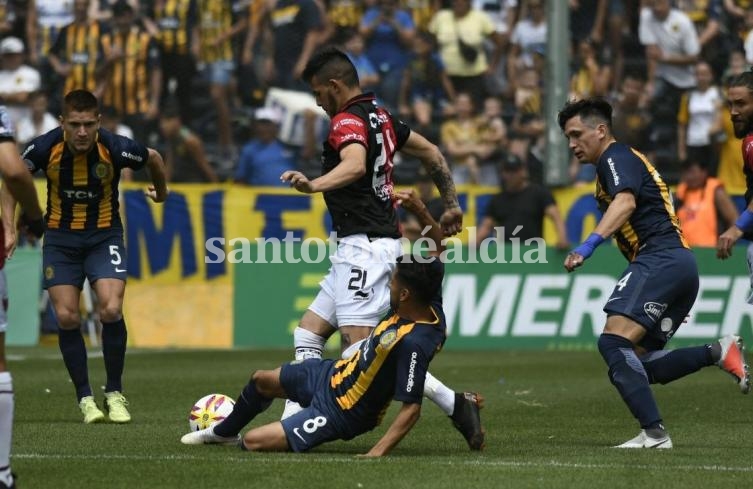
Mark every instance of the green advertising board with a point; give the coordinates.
(24, 275)
(509, 304)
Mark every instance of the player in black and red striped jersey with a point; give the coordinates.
(18, 183)
(356, 181)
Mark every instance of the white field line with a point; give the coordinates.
(256, 457)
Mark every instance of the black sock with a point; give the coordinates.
(72, 347)
(629, 377)
(665, 366)
(247, 406)
(114, 339)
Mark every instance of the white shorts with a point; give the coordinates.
(3, 302)
(355, 291)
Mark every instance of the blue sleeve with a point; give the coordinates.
(410, 371)
(125, 152)
(36, 155)
(620, 172)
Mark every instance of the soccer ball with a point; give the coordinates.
(209, 410)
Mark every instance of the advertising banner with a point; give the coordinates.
(502, 305)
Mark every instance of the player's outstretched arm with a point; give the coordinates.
(18, 181)
(352, 166)
(729, 237)
(404, 421)
(411, 202)
(433, 160)
(617, 214)
(158, 190)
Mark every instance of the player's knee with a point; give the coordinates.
(110, 312)
(68, 318)
(264, 382)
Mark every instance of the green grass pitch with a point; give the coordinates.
(550, 419)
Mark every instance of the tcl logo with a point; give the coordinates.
(80, 194)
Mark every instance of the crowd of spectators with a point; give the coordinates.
(188, 76)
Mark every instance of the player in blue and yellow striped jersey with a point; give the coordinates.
(84, 237)
(658, 288)
(345, 398)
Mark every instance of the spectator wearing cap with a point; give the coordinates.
(521, 207)
(264, 158)
(185, 158)
(17, 80)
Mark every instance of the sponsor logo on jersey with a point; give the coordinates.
(130, 156)
(411, 372)
(615, 176)
(347, 121)
(654, 310)
(387, 339)
(101, 170)
(80, 194)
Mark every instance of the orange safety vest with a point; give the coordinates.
(697, 214)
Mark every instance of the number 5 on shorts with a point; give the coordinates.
(116, 259)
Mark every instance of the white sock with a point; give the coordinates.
(307, 344)
(6, 423)
(443, 396)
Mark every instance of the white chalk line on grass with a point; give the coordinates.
(350, 459)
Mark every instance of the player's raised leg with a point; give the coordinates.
(65, 302)
(110, 292)
(311, 335)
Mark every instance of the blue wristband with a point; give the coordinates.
(745, 221)
(587, 248)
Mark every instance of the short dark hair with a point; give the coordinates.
(591, 110)
(80, 101)
(331, 63)
(744, 79)
(422, 275)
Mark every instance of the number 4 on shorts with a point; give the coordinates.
(623, 281)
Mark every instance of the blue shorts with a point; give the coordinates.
(219, 72)
(657, 290)
(68, 257)
(307, 383)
